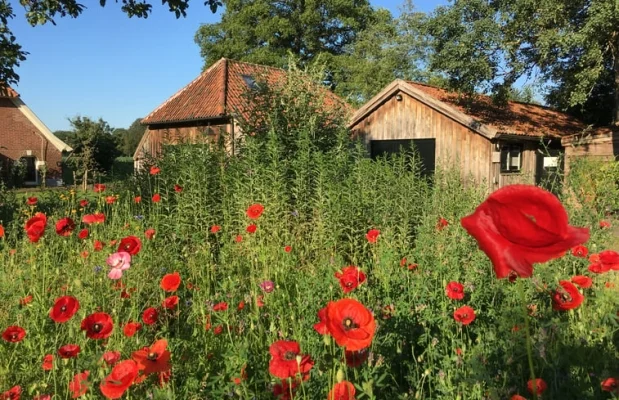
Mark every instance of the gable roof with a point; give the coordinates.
(480, 114)
(11, 94)
(216, 93)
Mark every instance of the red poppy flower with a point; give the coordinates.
(35, 227)
(111, 357)
(25, 300)
(241, 305)
(517, 397)
(218, 329)
(83, 203)
(287, 361)
(156, 198)
(580, 251)
(321, 327)
(610, 385)
(64, 308)
(342, 391)
(251, 228)
(178, 188)
(99, 187)
(441, 224)
(118, 381)
(154, 358)
(48, 362)
(537, 386)
(98, 245)
(455, 290)
(567, 297)
(110, 199)
(131, 328)
(285, 390)
(98, 325)
(137, 199)
(288, 249)
(608, 259)
(83, 234)
(223, 306)
(65, 226)
(150, 316)
(79, 384)
(372, 235)
(350, 323)
(583, 281)
(69, 351)
(31, 201)
(465, 315)
(604, 224)
(255, 211)
(170, 282)
(149, 233)
(1, 231)
(170, 302)
(96, 218)
(350, 277)
(130, 244)
(154, 170)
(260, 301)
(238, 238)
(238, 380)
(519, 225)
(215, 228)
(356, 358)
(13, 393)
(14, 334)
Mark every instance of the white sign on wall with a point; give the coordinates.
(551, 162)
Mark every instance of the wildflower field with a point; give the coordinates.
(303, 269)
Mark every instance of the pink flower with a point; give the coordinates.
(119, 262)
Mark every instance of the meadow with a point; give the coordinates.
(300, 269)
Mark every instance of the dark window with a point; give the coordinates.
(250, 82)
(511, 158)
(425, 148)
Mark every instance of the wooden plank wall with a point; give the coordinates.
(527, 174)
(601, 148)
(456, 145)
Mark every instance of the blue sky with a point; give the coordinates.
(106, 65)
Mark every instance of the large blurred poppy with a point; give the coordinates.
(350, 323)
(519, 225)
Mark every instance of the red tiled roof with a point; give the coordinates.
(6, 91)
(514, 119)
(217, 92)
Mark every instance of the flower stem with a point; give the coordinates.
(528, 336)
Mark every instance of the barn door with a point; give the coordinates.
(425, 148)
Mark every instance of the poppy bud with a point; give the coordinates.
(339, 376)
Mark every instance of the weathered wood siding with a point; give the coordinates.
(601, 147)
(456, 145)
(156, 136)
(527, 172)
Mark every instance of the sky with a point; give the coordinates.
(104, 64)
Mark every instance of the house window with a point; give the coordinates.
(30, 169)
(511, 158)
(425, 150)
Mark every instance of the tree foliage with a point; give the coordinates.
(571, 46)
(128, 139)
(41, 12)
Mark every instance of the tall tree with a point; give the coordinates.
(265, 31)
(572, 44)
(128, 139)
(40, 12)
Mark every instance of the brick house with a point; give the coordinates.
(25, 138)
(211, 106)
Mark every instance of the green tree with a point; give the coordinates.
(572, 46)
(265, 32)
(41, 12)
(128, 139)
(94, 146)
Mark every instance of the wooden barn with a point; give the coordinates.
(519, 143)
(24, 138)
(600, 143)
(210, 106)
